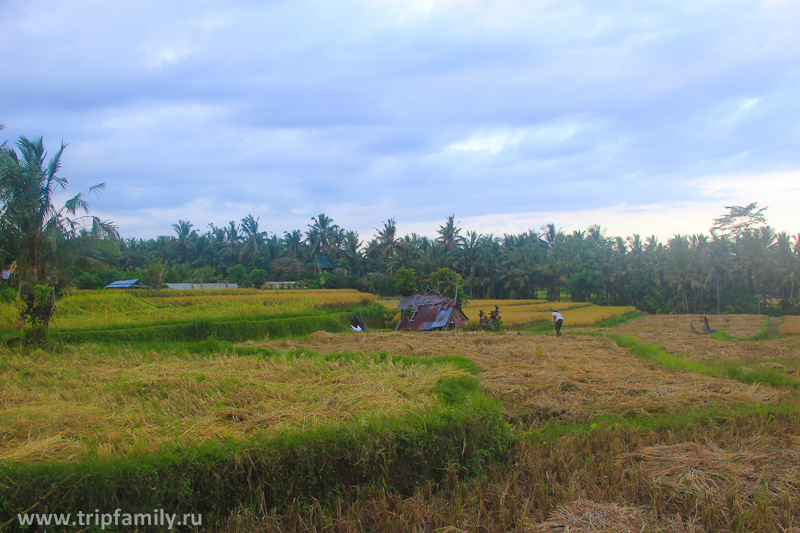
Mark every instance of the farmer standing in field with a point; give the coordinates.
(559, 320)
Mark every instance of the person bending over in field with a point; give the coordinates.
(559, 321)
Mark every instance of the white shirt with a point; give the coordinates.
(558, 316)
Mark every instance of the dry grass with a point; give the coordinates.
(588, 516)
(86, 402)
(584, 483)
(732, 478)
(790, 326)
(568, 378)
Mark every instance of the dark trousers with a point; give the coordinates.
(558, 327)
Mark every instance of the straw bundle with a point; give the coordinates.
(588, 516)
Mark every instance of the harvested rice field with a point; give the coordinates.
(541, 377)
(731, 472)
(674, 334)
(604, 440)
(86, 403)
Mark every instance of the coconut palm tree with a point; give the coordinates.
(449, 235)
(320, 234)
(293, 242)
(252, 242)
(38, 232)
(183, 229)
(387, 244)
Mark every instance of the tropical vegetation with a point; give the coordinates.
(741, 265)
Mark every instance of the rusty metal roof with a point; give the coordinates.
(421, 299)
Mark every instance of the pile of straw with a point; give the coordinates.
(588, 516)
(722, 476)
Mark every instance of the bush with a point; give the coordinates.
(257, 277)
(237, 274)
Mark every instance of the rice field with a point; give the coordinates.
(86, 402)
(601, 468)
(540, 377)
(103, 308)
(674, 334)
(790, 325)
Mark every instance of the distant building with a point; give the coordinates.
(428, 312)
(191, 286)
(280, 284)
(320, 263)
(126, 284)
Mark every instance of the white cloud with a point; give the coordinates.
(491, 141)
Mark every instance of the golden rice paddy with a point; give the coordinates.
(102, 308)
(523, 313)
(790, 326)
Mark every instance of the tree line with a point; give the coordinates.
(742, 265)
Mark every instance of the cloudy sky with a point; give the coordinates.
(644, 117)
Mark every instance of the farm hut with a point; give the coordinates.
(428, 312)
(126, 284)
(320, 263)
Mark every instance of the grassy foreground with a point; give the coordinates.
(635, 425)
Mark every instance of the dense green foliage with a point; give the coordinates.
(755, 271)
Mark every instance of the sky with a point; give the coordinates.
(642, 117)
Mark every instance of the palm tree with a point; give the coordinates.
(37, 230)
(353, 257)
(320, 233)
(184, 229)
(232, 237)
(293, 242)
(253, 239)
(449, 234)
(718, 263)
(387, 244)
